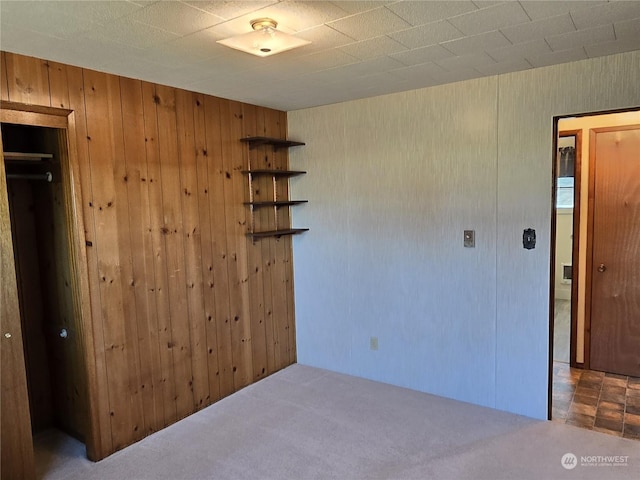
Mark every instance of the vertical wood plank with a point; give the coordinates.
(101, 97)
(154, 186)
(126, 278)
(234, 194)
(4, 82)
(101, 444)
(264, 191)
(288, 255)
(58, 84)
(254, 256)
(28, 80)
(277, 250)
(135, 157)
(192, 233)
(124, 252)
(217, 176)
(206, 246)
(173, 231)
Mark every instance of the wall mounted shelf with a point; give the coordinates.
(278, 233)
(274, 173)
(280, 203)
(277, 143)
(273, 224)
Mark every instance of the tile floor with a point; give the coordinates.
(599, 401)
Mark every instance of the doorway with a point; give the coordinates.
(45, 301)
(586, 392)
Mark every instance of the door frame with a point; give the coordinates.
(64, 121)
(575, 239)
(575, 253)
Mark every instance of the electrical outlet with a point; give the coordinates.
(373, 343)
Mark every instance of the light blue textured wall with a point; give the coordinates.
(392, 183)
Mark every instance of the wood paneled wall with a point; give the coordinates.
(185, 308)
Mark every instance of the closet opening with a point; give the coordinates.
(42, 248)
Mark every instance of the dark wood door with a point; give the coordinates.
(17, 444)
(615, 269)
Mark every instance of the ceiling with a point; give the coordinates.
(359, 48)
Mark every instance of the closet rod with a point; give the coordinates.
(47, 176)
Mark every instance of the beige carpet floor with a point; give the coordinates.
(306, 423)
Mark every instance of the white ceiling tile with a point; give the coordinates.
(366, 67)
(628, 29)
(488, 3)
(581, 38)
(617, 46)
(229, 10)
(44, 17)
(477, 43)
(456, 75)
(489, 19)
(353, 7)
(515, 53)
(102, 11)
(373, 23)
(139, 69)
(538, 9)
(374, 47)
(419, 13)
(458, 63)
(503, 67)
(128, 32)
(175, 17)
(554, 58)
(426, 69)
(16, 39)
(607, 13)
(323, 38)
(526, 32)
(301, 15)
(327, 59)
(142, 3)
(422, 55)
(199, 45)
(430, 34)
(93, 53)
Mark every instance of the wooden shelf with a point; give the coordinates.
(277, 143)
(280, 203)
(271, 220)
(274, 173)
(277, 233)
(27, 156)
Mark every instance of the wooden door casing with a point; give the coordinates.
(615, 250)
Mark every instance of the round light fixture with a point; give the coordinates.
(260, 23)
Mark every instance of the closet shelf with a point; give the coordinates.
(27, 156)
(277, 233)
(277, 143)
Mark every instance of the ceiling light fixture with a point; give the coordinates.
(265, 40)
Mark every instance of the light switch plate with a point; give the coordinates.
(470, 238)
